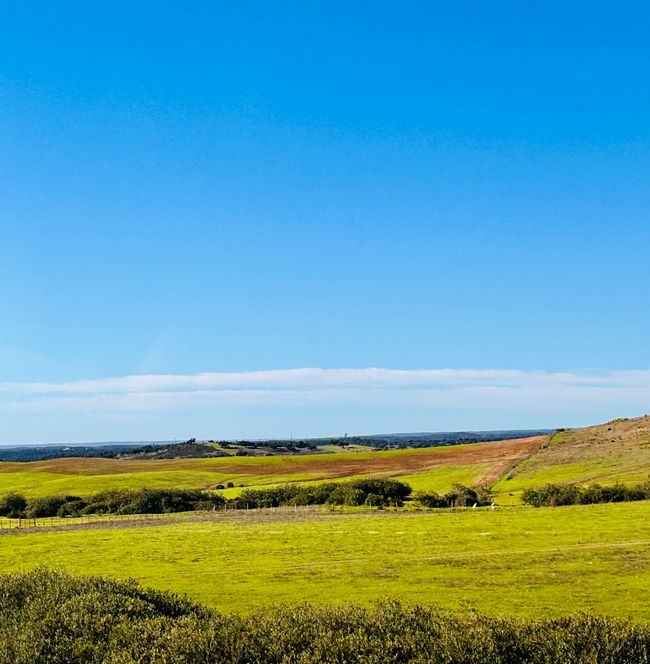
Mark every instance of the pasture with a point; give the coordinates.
(514, 561)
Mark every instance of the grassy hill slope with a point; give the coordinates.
(617, 451)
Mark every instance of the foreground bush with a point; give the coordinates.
(556, 495)
(48, 617)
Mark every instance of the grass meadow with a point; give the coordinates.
(518, 561)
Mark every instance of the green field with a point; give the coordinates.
(513, 561)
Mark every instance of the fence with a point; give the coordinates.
(57, 521)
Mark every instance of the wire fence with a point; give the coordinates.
(58, 521)
(7, 523)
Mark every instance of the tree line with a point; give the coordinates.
(368, 492)
(556, 495)
(63, 619)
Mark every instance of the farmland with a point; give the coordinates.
(436, 468)
(514, 561)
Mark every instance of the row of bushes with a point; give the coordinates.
(555, 495)
(370, 492)
(362, 492)
(142, 501)
(61, 619)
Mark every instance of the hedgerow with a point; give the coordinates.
(373, 492)
(556, 495)
(122, 501)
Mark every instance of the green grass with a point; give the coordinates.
(520, 561)
(603, 471)
(442, 479)
(45, 484)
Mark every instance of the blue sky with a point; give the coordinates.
(229, 187)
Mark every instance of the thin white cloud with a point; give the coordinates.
(313, 402)
(459, 388)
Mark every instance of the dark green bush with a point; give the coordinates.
(430, 499)
(48, 506)
(13, 505)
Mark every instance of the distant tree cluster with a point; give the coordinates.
(277, 446)
(459, 496)
(556, 495)
(27, 454)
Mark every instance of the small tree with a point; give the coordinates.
(13, 505)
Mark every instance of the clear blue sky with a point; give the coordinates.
(246, 186)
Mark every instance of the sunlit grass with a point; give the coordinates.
(520, 561)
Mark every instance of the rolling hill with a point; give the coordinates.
(617, 451)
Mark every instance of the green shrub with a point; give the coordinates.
(12, 505)
(431, 500)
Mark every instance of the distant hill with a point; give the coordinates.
(190, 449)
(282, 446)
(445, 437)
(606, 453)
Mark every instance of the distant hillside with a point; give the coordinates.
(213, 448)
(606, 453)
(190, 449)
(401, 440)
(26, 453)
